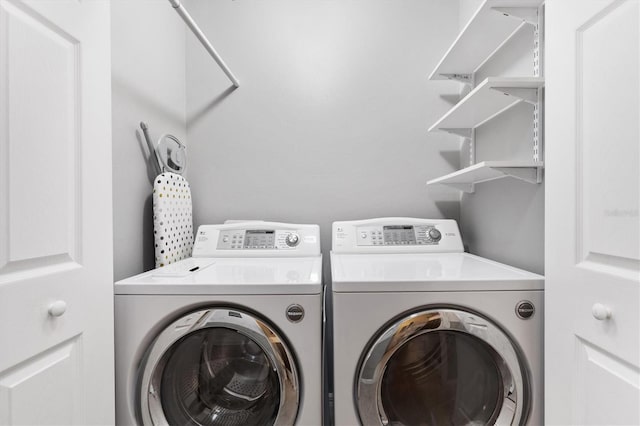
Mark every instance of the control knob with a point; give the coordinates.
(434, 234)
(292, 239)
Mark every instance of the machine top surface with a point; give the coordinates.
(240, 258)
(404, 254)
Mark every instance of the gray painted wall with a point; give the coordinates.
(148, 80)
(467, 9)
(504, 219)
(330, 122)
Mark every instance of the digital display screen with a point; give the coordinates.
(399, 234)
(259, 239)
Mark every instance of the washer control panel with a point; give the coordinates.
(257, 239)
(394, 235)
(397, 235)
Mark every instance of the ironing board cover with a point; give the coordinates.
(172, 219)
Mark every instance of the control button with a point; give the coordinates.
(292, 239)
(225, 239)
(434, 234)
(363, 235)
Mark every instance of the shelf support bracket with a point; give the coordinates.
(462, 78)
(530, 96)
(538, 56)
(451, 99)
(469, 188)
(537, 128)
(526, 14)
(472, 148)
(465, 133)
(527, 174)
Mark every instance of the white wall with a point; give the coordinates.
(148, 80)
(330, 121)
(504, 219)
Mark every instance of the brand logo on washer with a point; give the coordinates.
(295, 313)
(525, 309)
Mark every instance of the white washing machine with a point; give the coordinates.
(231, 336)
(427, 334)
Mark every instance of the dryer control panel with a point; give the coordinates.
(257, 239)
(397, 235)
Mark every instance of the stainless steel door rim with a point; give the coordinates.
(513, 392)
(272, 345)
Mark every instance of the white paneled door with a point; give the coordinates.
(592, 242)
(56, 291)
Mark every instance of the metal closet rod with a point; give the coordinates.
(203, 39)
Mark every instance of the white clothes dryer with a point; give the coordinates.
(427, 334)
(231, 336)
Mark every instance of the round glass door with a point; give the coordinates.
(442, 367)
(219, 376)
(221, 367)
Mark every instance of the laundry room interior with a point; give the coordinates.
(319, 212)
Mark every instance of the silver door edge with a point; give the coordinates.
(369, 375)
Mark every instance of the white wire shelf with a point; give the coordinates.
(467, 178)
(493, 24)
(490, 98)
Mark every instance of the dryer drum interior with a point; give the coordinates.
(219, 367)
(442, 366)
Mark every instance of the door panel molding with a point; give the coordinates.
(627, 269)
(41, 156)
(606, 103)
(595, 373)
(41, 376)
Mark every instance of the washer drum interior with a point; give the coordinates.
(219, 367)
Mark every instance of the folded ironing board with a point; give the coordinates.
(172, 219)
